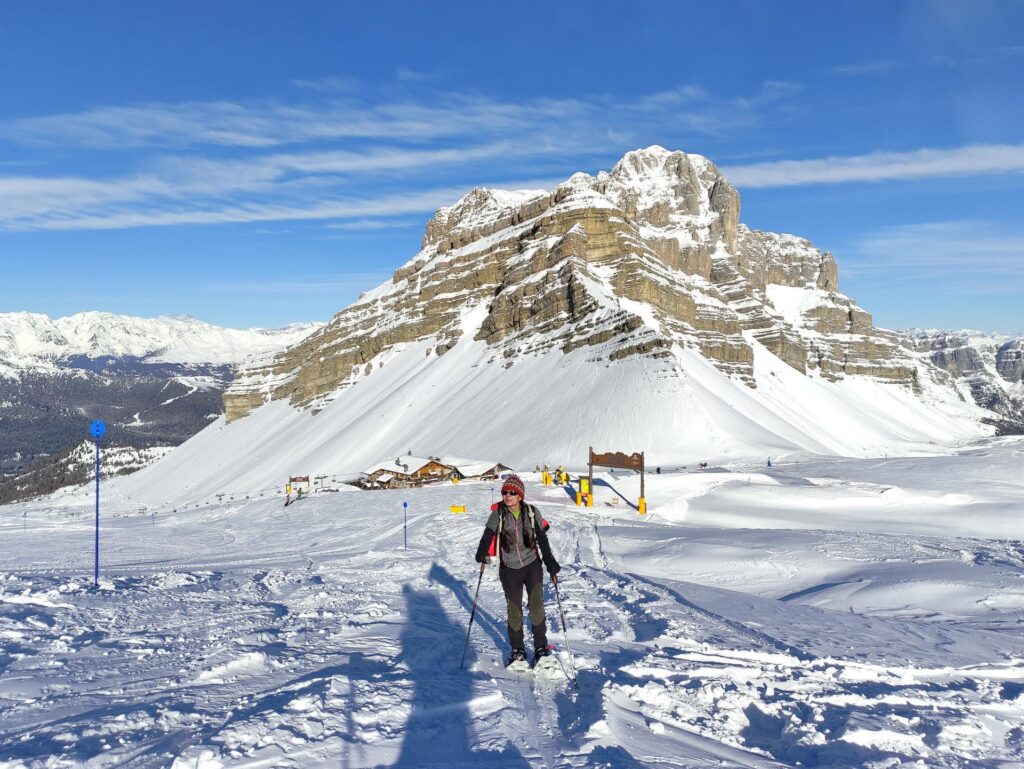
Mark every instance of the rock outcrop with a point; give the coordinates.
(990, 367)
(648, 257)
(1010, 361)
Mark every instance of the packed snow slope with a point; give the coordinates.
(551, 408)
(853, 613)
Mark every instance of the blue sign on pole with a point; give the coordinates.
(97, 430)
(405, 528)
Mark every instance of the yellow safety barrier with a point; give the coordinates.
(579, 499)
(455, 479)
(643, 506)
(458, 508)
(590, 500)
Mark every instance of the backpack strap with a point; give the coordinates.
(531, 516)
(497, 537)
(533, 526)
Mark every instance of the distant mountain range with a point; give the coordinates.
(155, 381)
(990, 366)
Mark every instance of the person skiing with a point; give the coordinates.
(520, 532)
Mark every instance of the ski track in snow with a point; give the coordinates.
(247, 634)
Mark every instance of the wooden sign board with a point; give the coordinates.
(618, 459)
(299, 479)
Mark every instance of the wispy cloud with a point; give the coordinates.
(881, 166)
(292, 187)
(966, 256)
(344, 116)
(327, 285)
(888, 66)
(46, 203)
(406, 75)
(873, 67)
(328, 84)
(374, 224)
(330, 153)
(384, 205)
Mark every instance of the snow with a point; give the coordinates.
(824, 612)
(33, 340)
(792, 302)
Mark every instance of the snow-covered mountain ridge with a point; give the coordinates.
(34, 341)
(990, 366)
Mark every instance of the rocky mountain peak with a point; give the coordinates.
(674, 192)
(477, 208)
(647, 259)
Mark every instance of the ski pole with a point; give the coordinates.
(565, 634)
(472, 614)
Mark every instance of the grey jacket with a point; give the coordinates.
(517, 554)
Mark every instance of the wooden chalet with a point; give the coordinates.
(404, 472)
(475, 470)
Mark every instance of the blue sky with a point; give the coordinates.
(258, 163)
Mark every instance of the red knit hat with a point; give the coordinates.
(514, 483)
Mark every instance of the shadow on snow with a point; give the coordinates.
(439, 729)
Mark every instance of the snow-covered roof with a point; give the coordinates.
(403, 465)
(384, 478)
(469, 467)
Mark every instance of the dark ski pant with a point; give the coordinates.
(512, 582)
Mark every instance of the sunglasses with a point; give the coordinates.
(510, 493)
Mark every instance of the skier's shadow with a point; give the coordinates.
(439, 729)
(493, 627)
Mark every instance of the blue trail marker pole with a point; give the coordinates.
(405, 528)
(97, 429)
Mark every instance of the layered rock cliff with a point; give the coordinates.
(990, 367)
(638, 261)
